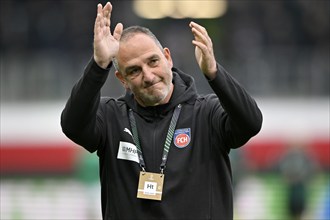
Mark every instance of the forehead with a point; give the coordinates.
(134, 38)
(137, 47)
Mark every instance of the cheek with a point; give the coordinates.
(170, 65)
(169, 75)
(131, 83)
(133, 86)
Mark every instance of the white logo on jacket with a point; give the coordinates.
(128, 131)
(127, 151)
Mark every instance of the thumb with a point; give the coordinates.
(118, 31)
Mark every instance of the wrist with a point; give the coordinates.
(211, 73)
(100, 63)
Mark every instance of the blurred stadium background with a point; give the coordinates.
(279, 50)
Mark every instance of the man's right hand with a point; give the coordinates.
(106, 45)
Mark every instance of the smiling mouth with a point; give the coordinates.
(151, 85)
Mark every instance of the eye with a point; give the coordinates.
(153, 62)
(133, 72)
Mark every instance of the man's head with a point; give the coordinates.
(144, 66)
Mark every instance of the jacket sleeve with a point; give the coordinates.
(81, 119)
(238, 117)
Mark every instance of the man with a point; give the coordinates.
(163, 149)
(297, 169)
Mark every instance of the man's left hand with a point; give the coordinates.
(204, 50)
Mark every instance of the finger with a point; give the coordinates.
(201, 37)
(99, 17)
(98, 20)
(107, 13)
(196, 30)
(198, 27)
(100, 30)
(99, 8)
(118, 31)
(107, 7)
(200, 34)
(201, 46)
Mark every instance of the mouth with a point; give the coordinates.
(151, 85)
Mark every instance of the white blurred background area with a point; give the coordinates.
(278, 50)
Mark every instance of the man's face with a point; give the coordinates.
(145, 69)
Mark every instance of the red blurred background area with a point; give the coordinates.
(34, 142)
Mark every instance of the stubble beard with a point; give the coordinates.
(155, 97)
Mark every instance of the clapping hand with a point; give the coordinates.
(106, 45)
(204, 50)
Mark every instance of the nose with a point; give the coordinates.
(148, 75)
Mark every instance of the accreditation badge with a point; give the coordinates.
(150, 186)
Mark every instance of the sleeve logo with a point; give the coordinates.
(181, 137)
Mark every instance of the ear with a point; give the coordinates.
(168, 57)
(121, 79)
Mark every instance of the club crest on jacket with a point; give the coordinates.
(181, 137)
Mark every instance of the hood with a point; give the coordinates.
(184, 92)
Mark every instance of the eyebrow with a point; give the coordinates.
(129, 68)
(153, 57)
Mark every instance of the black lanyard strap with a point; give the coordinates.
(168, 140)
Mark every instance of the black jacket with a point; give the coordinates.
(197, 176)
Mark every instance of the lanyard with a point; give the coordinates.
(168, 140)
